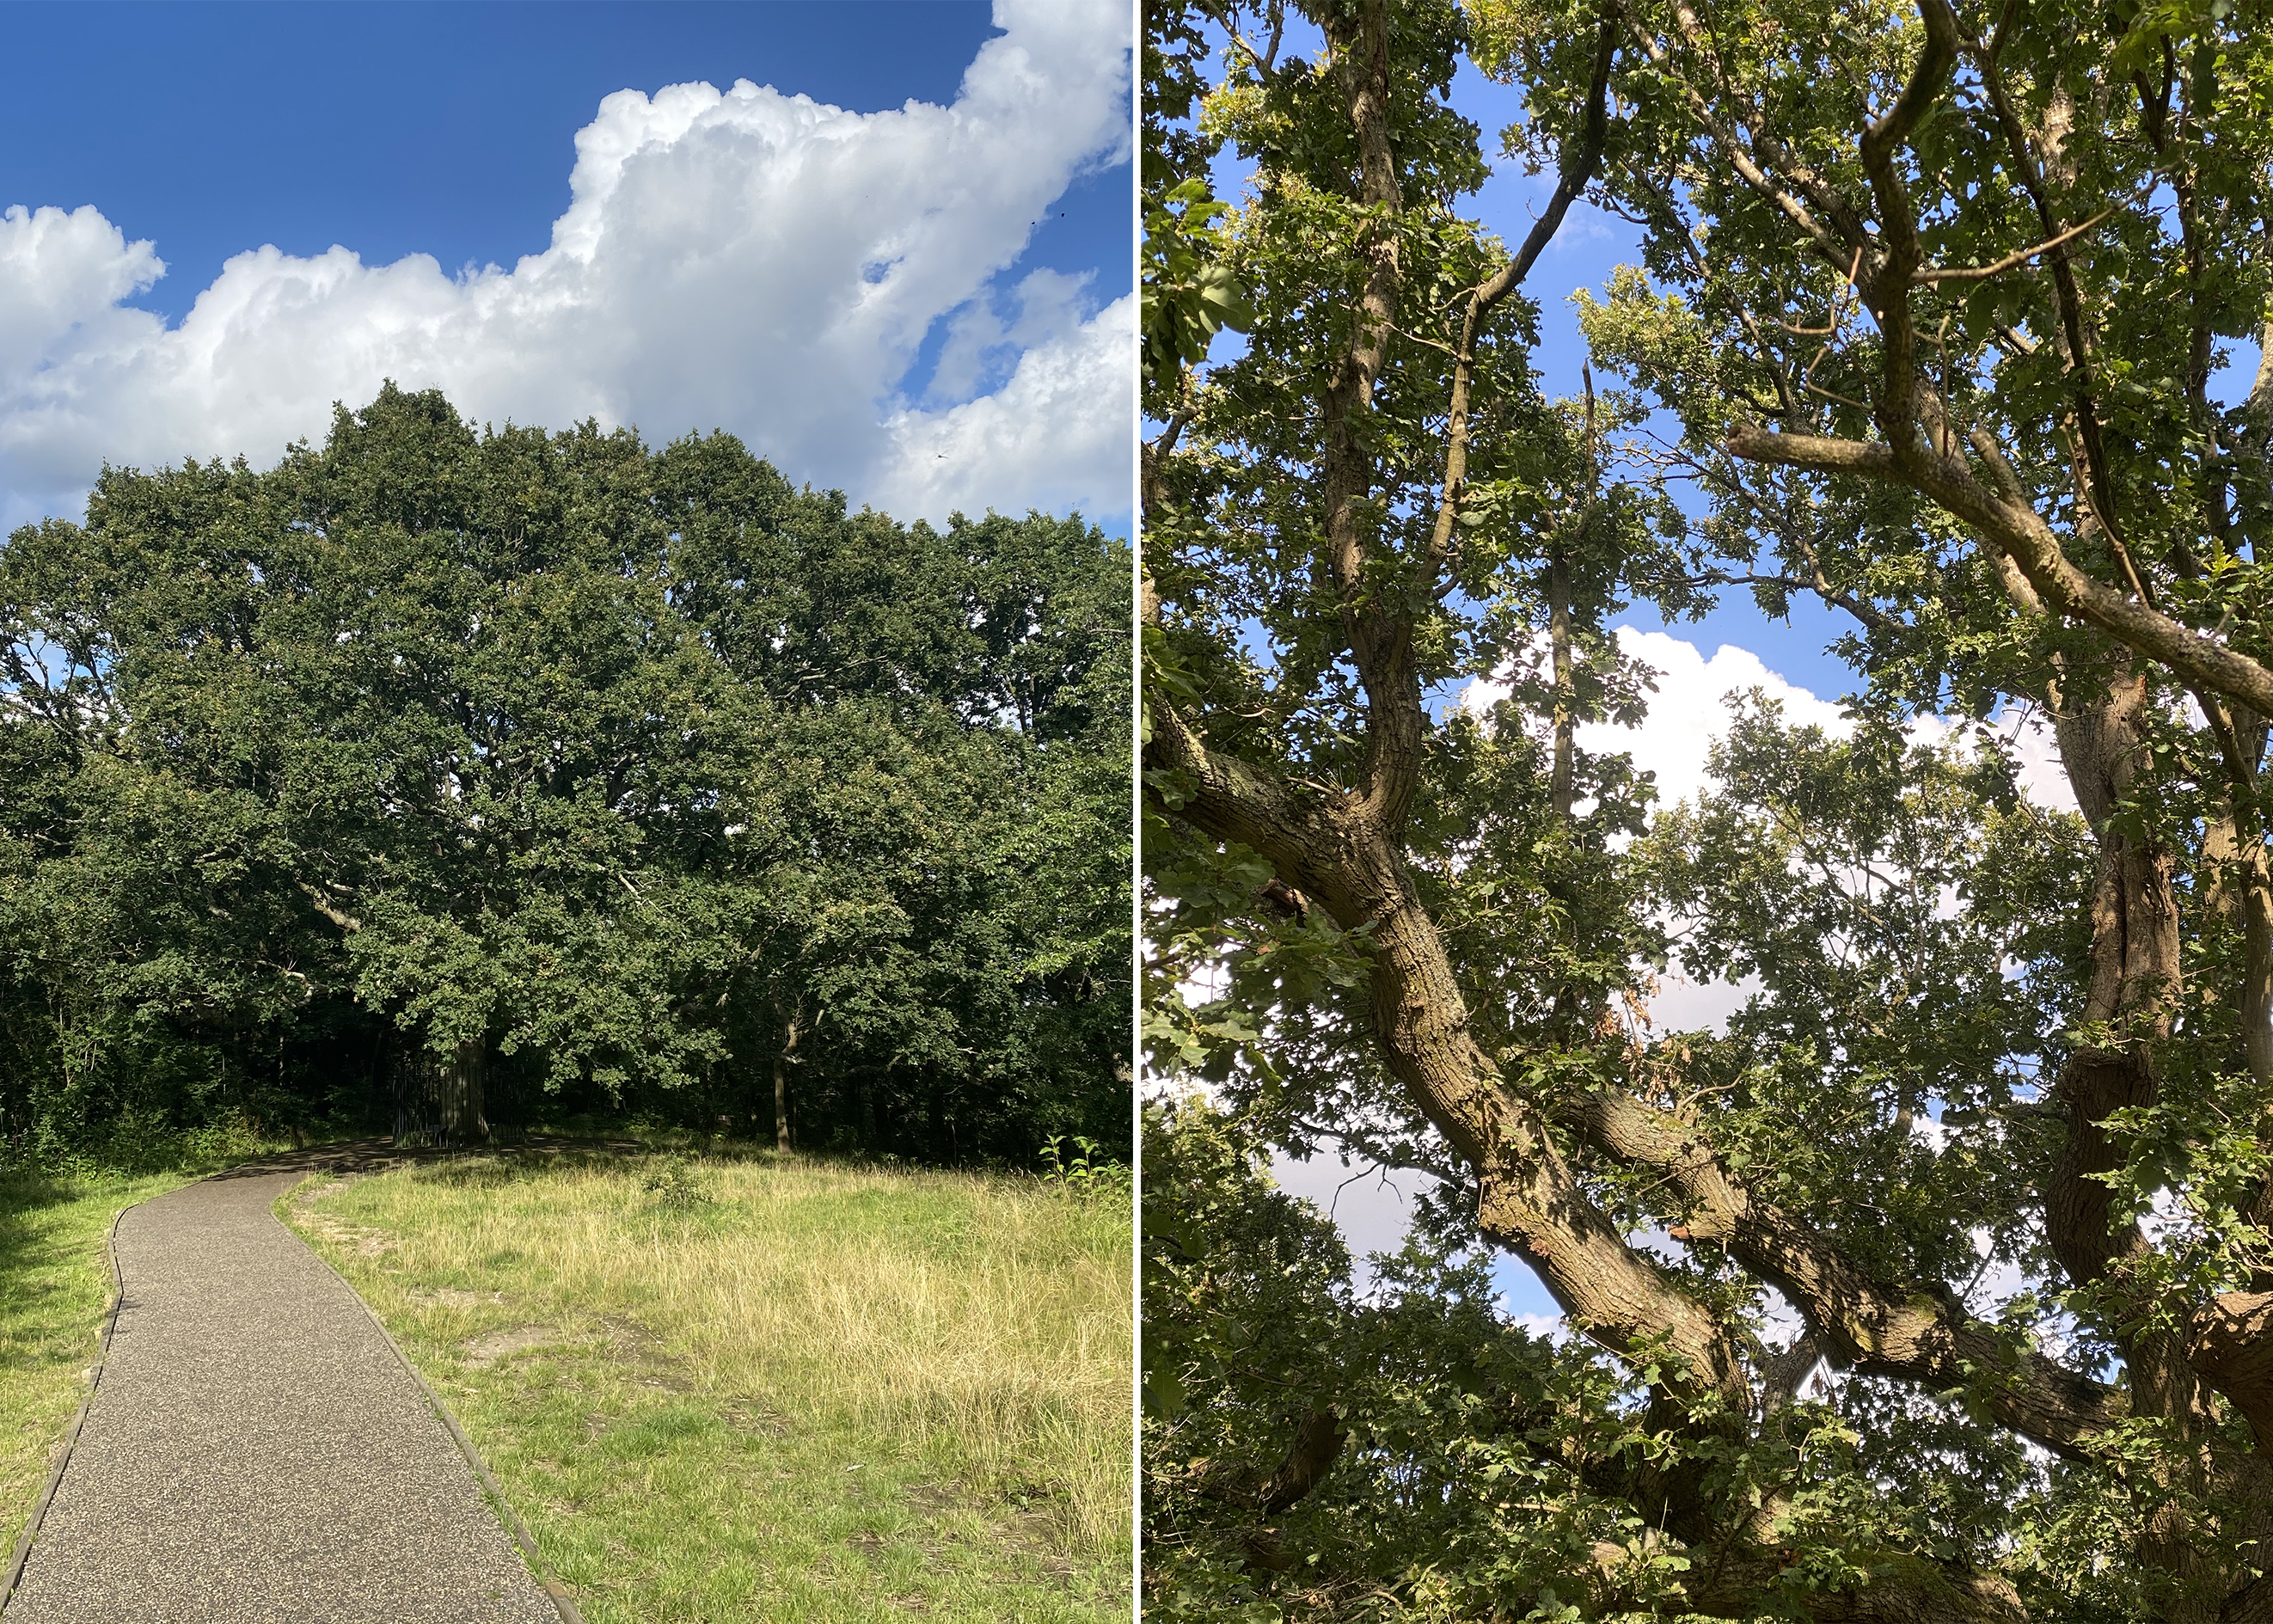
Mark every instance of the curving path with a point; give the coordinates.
(255, 1451)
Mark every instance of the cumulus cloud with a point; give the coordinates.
(1690, 711)
(744, 259)
(1059, 431)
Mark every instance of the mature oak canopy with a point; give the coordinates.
(567, 775)
(1933, 317)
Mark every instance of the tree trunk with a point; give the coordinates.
(780, 1086)
(462, 1119)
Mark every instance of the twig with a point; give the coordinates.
(1977, 273)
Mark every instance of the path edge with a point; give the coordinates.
(22, 1558)
(552, 1588)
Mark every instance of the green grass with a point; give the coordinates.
(742, 1390)
(55, 1288)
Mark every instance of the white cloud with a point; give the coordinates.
(978, 341)
(1690, 710)
(1680, 1004)
(746, 259)
(1547, 1327)
(1052, 434)
(2043, 780)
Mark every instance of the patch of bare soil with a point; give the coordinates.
(637, 1350)
(487, 1349)
(935, 1500)
(352, 1238)
(449, 1296)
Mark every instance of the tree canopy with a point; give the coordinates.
(525, 774)
(1939, 1285)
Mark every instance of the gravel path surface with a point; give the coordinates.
(255, 1451)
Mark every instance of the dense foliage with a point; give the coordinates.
(1938, 1284)
(516, 775)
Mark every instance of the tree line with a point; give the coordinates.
(1936, 1283)
(450, 780)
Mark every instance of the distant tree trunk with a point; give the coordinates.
(781, 1085)
(463, 1121)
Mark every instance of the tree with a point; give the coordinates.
(545, 773)
(1937, 302)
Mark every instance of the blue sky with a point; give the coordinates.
(1590, 244)
(993, 233)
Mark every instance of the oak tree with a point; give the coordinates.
(1933, 310)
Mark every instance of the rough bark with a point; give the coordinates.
(1341, 851)
(1918, 1332)
(2101, 728)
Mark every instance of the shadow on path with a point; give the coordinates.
(358, 1157)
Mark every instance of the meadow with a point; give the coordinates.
(739, 1389)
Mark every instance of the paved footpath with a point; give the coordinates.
(256, 1454)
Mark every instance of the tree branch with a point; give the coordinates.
(2018, 533)
(347, 923)
(1920, 1334)
(1579, 164)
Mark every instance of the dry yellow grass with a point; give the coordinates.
(964, 1341)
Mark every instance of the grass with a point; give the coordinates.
(55, 1288)
(739, 1389)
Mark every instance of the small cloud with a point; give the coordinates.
(1547, 1327)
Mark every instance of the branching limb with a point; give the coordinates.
(348, 923)
(1579, 164)
(1379, 636)
(2011, 262)
(1921, 1334)
(2017, 532)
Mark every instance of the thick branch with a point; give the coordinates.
(347, 923)
(1318, 1440)
(1888, 281)
(1532, 1201)
(1318, 1445)
(1231, 800)
(2020, 535)
(1379, 634)
(2233, 1348)
(1922, 1334)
